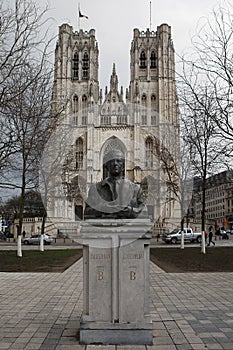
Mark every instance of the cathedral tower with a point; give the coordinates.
(152, 75)
(152, 102)
(76, 72)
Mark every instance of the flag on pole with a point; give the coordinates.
(81, 15)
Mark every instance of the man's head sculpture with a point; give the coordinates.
(114, 197)
(114, 162)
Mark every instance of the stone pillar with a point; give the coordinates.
(116, 282)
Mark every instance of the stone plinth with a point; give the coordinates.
(116, 282)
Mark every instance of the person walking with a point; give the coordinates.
(210, 236)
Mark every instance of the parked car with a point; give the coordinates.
(175, 236)
(35, 239)
(224, 234)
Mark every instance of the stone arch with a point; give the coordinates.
(75, 64)
(153, 59)
(85, 65)
(77, 188)
(149, 148)
(84, 109)
(79, 153)
(75, 108)
(144, 109)
(142, 59)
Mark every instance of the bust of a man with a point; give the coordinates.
(115, 197)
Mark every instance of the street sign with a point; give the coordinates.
(5, 223)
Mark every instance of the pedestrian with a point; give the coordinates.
(210, 236)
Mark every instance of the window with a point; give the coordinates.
(75, 65)
(153, 120)
(153, 110)
(121, 119)
(106, 120)
(75, 109)
(144, 99)
(149, 152)
(143, 59)
(152, 59)
(85, 65)
(79, 153)
(84, 110)
(144, 110)
(144, 118)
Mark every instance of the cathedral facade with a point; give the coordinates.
(141, 121)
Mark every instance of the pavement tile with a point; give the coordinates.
(161, 347)
(227, 346)
(214, 346)
(198, 346)
(71, 347)
(183, 316)
(130, 347)
(103, 347)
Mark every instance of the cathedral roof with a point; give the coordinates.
(113, 103)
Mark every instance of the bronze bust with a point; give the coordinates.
(115, 197)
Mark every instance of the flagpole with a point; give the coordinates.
(150, 16)
(78, 17)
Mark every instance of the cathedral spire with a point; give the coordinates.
(114, 80)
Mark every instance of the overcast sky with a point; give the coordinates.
(114, 22)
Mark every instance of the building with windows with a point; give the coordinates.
(139, 121)
(219, 200)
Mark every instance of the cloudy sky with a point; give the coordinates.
(114, 21)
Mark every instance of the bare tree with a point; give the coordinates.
(202, 135)
(205, 95)
(29, 117)
(24, 45)
(212, 59)
(25, 95)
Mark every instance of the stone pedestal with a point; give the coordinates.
(116, 282)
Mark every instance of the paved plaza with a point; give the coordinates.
(41, 311)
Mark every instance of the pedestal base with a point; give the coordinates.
(104, 333)
(116, 283)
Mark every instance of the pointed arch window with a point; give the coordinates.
(144, 110)
(153, 63)
(143, 59)
(75, 109)
(84, 109)
(153, 110)
(149, 152)
(144, 100)
(75, 65)
(79, 153)
(85, 65)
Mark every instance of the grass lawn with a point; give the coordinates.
(37, 261)
(216, 259)
(190, 259)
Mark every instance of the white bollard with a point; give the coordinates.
(19, 247)
(182, 240)
(41, 243)
(203, 250)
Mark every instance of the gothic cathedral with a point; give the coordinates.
(142, 122)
